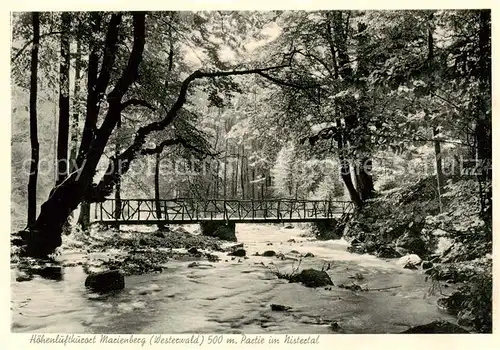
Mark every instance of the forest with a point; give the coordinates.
(388, 110)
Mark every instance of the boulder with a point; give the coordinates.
(387, 252)
(269, 253)
(213, 258)
(234, 247)
(436, 327)
(312, 278)
(106, 281)
(288, 227)
(309, 255)
(278, 307)
(355, 241)
(221, 230)
(427, 265)
(326, 229)
(443, 244)
(198, 265)
(49, 272)
(238, 252)
(193, 250)
(356, 249)
(411, 261)
(452, 304)
(466, 318)
(413, 243)
(24, 277)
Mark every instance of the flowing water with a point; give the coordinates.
(234, 296)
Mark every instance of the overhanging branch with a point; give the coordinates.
(109, 180)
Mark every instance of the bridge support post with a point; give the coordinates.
(222, 230)
(327, 229)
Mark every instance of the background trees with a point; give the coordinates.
(282, 104)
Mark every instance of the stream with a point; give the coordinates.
(234, 296)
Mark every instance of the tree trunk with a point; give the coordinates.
(439, 170)
(236, 174)
(242, 177)
(118, 198)
(217, 180)
(63, 130)
(84, 217)
(340, 60)
(157, 189)
(364, 179)
(253, 182)
(33, 122)
(435, 131)
(225, 171)
(483, 117)
(262, 187)
(345, 171)
(75, 131)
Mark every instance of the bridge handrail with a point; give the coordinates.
(192, 209)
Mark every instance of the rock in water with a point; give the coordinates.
(410, 261)
(106, 281)
(427, 265)
(193, 250)
(387, 252)
(312, 278)
(224, 231)
(452, 304)
(436, 327)
(239, 252)
(413, 243)
(278, 307)
(269, 253)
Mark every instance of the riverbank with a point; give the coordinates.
(451, 237)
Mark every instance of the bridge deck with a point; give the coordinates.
(185, 211)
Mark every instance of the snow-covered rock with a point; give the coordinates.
(443, 244)
(409, 261)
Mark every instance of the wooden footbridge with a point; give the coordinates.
(186, 211)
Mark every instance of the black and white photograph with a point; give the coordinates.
(250, 173)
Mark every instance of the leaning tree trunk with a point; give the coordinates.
(33, 122)
(345, 171)
(340, 61)
(92, 112)
(364, 179)
(45, 235)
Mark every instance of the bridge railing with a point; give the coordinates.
(191, 210)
